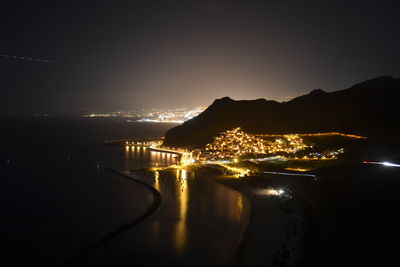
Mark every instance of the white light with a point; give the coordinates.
(390, 164)
(385, 163)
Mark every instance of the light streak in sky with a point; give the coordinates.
(41, 60)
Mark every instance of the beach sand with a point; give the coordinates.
(276, 232)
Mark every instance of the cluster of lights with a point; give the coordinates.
(153, 115)
(236, 171)
(325, 155)
(235, 142)
(153, 143)
(117, 114)
(99, 115)
(171, 116)
(173, 150)
(353, 136)
(186, 156)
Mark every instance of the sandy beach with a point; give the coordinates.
(276, 233)
(344, 218)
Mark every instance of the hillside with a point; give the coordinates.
(367, 108)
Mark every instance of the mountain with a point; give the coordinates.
(367, 108)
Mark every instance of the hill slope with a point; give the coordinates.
(367, 108)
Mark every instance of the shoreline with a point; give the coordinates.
(242, 237)
(283, 224)
(213, 178)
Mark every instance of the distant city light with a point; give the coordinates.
(154, 115)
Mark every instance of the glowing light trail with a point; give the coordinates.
(385, 163)
(27, 58)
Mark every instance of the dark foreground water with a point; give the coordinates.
(199, 223)
(55, 200)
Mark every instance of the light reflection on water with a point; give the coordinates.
(157, 181)
(199, 221)
(182, 199)
(136, 157)
(197, 216)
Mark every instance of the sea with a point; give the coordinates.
(57, 197)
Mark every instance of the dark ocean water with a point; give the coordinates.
(54, 200)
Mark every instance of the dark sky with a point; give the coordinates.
(124, 55)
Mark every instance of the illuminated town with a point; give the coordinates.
(234, 146)
(200, 133)
(236, 143)
(171, 116)
(153, 115)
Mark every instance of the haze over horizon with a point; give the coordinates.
(172, 54)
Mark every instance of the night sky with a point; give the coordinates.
(126, 55)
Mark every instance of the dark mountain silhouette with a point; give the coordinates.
(368, 108)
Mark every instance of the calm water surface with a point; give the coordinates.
(56, 201)
(199, 223)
